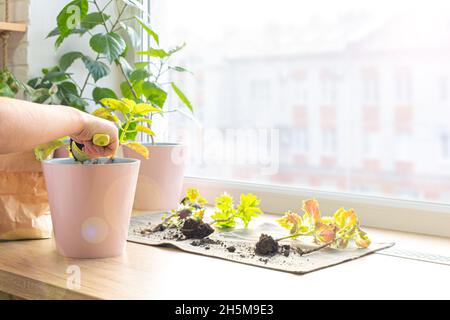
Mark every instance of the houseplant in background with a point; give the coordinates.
(112, 40)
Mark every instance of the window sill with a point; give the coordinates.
(378, 212)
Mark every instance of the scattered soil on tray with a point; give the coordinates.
(196, 229)
(266, 246)
(266, 251)
(205, 241)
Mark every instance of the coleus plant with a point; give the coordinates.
(226, 214)
(111, 38)
(336, 231)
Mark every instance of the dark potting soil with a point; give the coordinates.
(266, 249)
(196, 229)
(266, 246)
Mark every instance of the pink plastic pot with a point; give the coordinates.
(160, 177)
(91, 205)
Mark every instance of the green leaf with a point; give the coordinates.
(145, 130)
(97, 68)
(139, 75)
(132, 34)
(68, 59)
(102, 93)
(182, 97)
(40, 95)
(77, 102)
(124, 105)
(55, 76)
(179, 69)
(176, 49)
(5, 91)
(141, 65)
(225, 211)
(156, 53)
(147, 29)
(106, 114)
(155, 94)
(144, 109)
(55, 32)
(111, 45)
(248, 208)
(126, 90)
(146, 120)
(70, 17)
(94, 19)
(139, 148)
(67, 87)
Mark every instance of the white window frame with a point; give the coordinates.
(374, 211)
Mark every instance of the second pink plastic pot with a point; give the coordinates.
(91, 205)
(160, 177)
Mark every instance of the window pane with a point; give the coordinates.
(346, 95)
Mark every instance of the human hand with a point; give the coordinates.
(91, 126)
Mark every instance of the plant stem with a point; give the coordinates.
(303, 252)
(103, 19)
(119, 16)
(125, 130)
(87, 79)
(293, 236)
(106, 5)
(130, 85)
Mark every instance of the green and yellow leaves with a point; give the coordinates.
(248, 208)
(106, 114)
(225, 214)
(133, 114)
(338, 230)
(110, 44)
(44, 151)
(138, 148)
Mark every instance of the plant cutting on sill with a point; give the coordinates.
(118, 37)
(189, 217)
(336, 231)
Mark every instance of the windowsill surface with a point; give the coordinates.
(33, 270)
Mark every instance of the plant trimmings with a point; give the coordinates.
(189, 217)
(336, 231)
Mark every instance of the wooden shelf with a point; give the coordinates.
(13, 27)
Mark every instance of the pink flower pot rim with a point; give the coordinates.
(72, 162)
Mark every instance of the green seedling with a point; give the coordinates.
(192, 211)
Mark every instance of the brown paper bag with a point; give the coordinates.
(24, 209)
